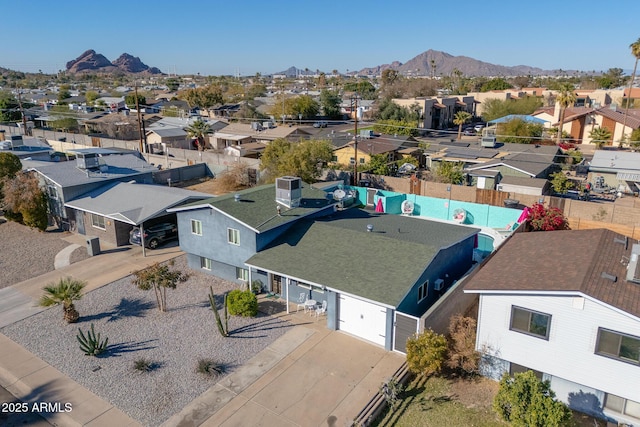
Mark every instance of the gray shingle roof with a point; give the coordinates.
(340, 253)
(257, 206)
(133, 203)
(67, 174)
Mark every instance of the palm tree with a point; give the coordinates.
(198, 129)
(635, 51)
(565, 98)
(459, 119)
(65, 292)
(600, 136)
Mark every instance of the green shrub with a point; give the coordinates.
(242, 303)
(426, 352)
(210, 368)
(143, 365)
(91, 344)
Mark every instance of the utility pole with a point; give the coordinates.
(139, 121)
(24, 118)
(354, 108)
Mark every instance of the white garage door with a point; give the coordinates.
(362, 319)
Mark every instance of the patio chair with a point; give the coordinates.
(301, 301)
(321, 309)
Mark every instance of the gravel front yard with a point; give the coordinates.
(174, 340)
(27, 253)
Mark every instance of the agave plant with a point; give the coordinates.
(91, 344)
(65, 292)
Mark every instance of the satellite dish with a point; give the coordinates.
(339, 194)
(407, 207)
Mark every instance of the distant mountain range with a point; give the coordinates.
(92, 62)
(445, 64)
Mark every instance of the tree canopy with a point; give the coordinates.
(498, 83)
(330, 103)
(25, 202)
(495, 108)
(450, 172)
(519, 131)
(303, 159)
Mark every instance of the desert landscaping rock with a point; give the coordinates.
(27, 253)
(174, 340)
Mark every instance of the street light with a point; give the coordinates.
(299, 119)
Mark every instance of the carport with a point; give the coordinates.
(112, 211)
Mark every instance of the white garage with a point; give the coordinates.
(362, 319)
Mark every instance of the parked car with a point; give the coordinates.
(479, 127)
(320, 124)
(155, 235)
(469, 132)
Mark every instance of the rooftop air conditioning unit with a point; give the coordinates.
(438, 285)
(289, 191)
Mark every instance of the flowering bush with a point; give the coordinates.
(541, 218)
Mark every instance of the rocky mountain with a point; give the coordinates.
(445, 64)
(132, 64)
(90, 61)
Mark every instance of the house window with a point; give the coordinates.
(423, 290)
(352, 160)
(97, 221)
(361, 159)
(619, 346)
(530, 322)
(622, 406)
(233, 236)
(196, 227)
(52, 193)
(514, 368)
(242, 274)
(205, 263)
(334, 158)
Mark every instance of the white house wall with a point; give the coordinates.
(569, 352)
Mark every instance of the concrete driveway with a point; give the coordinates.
(319, 378)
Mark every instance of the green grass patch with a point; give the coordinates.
(432, 402)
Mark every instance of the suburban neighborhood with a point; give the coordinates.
(432, 243)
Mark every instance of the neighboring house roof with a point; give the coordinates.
(257, 206)
(524, 182)
(67, 174)
(529, 159)
(615, 161)
(547, 263)
(632, 120)
(523, 117)
(167, 132)
(133, 203)
(265, 134)
(338, 252)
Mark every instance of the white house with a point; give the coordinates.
(565, 304)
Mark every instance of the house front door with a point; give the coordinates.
(276, 284)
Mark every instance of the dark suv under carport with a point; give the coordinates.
(155, 235)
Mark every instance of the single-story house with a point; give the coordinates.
(112, 210)
(371, 269)
(93, 168)
(572, 320)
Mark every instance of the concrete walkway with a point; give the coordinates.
(311, 376)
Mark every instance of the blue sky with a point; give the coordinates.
(245, 36)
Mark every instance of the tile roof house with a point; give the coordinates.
(565, 304)
(370, 268)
